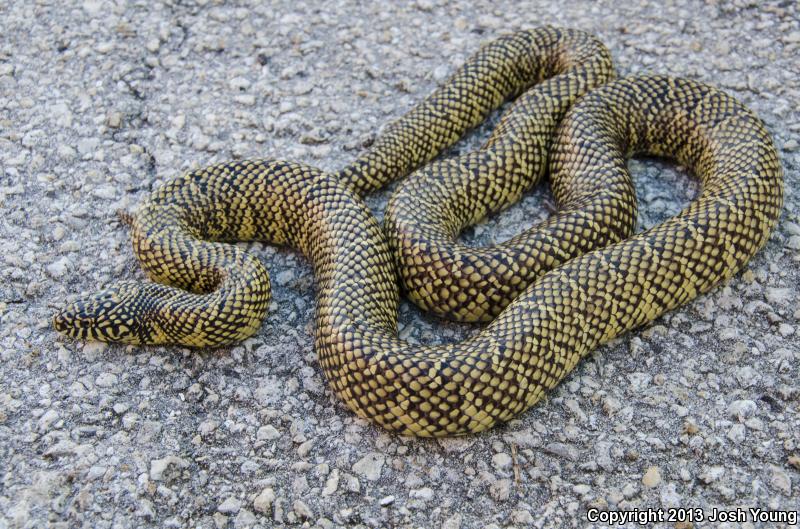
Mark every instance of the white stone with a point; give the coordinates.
(230, 505)
(58, 268)
(263, 502)
(159, 466)
(742, 409)
(501, 461)
(424, 494)
(106, 380)
(332, 483)
(267, 433)
(370, 466)
(652, 477)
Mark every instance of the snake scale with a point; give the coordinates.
(552, 294)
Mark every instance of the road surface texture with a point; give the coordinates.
(102, 101)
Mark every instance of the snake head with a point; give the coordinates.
(112, 315)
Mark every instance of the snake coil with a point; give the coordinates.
(553, 293)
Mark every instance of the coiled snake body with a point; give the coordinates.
(542, 326)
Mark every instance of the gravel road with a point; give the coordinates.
(101, 101)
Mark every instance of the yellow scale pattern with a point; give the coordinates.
(210, 293)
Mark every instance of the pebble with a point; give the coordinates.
(158, 467)
(440, 73)
(58, 233)
(207, 427)
(630, 490)
(47, 419)
(152, 45)
(114, 120)
(332, 483)
(453, 522)
(284, 277)
(244, 519)
(742, 409)
(63, 448)
(239, 83)
(501, 461)
(737, 433)
(305, 448)
(563, 450)
(106, 380)
(500, 490)
(106, 191)
(386, 500)
(522, 517)
(424, 494)
(87, 146)
(712, 474)
(263, 502)
(302, 510)
(145, 509)
(230, 505)
(781, 481)
(267, 433)
(652, 477)
(778, 296)
(351, 483)
(92, 350)
(370, 466)
(58, 269)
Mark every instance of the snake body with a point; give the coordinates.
(551, 323)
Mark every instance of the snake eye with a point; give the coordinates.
(64, 321)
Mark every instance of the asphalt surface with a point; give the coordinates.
(102, 101)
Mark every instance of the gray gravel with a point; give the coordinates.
(102, 101)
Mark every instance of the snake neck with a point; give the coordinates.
(198, 284)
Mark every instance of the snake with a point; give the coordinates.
(552, 294)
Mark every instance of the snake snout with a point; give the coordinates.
(73, 321)
(61, 322)
(97, 317)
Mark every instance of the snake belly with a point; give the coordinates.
(540, 336)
